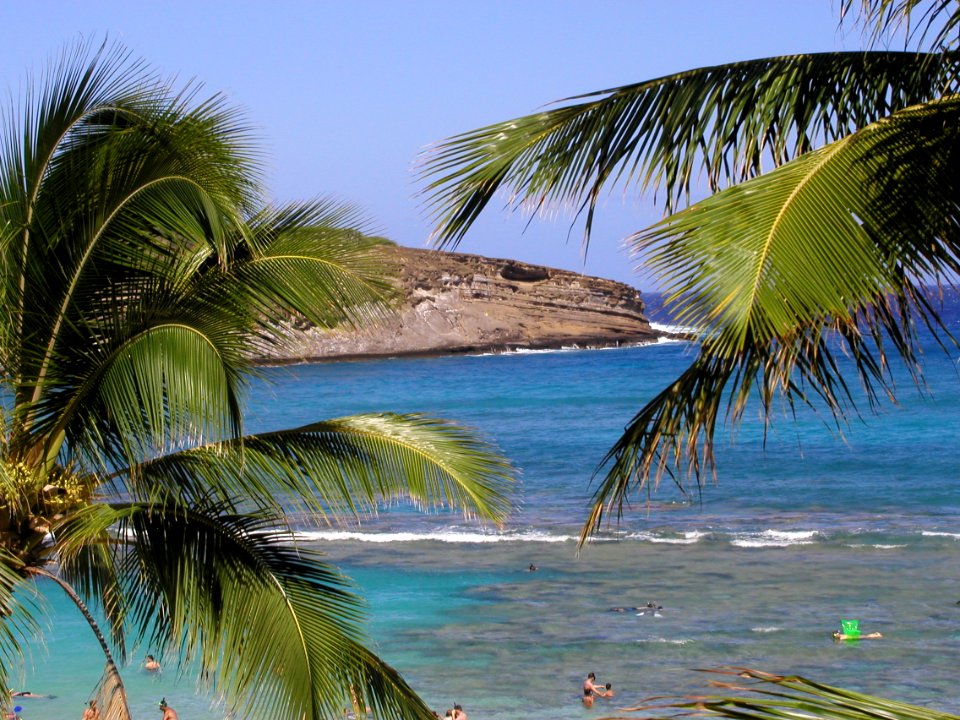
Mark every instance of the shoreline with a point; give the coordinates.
(564, 345)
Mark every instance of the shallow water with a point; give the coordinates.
(754, 572)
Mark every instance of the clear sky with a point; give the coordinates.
(346, 94)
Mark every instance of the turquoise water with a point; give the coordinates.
(755, 572)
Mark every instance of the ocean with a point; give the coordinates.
(800, 530)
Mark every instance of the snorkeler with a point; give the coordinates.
(837, 635)
(850, 630)
(168, 712)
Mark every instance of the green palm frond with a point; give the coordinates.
(936, 26)
(818, 238)
(720, 122)
(343, 467)
(168, 386)
(316, 259)
(20, 606)
(273, 626)
(782, 272)
(782, 697)
(131, 186)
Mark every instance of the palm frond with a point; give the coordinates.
(170, 385)
(20, 606)
(783, 271)
(316, 260)
(817, 238)
(345, 466)
(935, 27)
(779, 697)
(126, 182)
(720, 122)
(92, 574)
(273, 626)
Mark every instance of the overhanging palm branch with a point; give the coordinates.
(719, 122)
(316, 258)
(782, 697)
(165, 365)
(339, 468)
(782, 272)
(271, 625)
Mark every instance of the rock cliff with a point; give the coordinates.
(456, 302)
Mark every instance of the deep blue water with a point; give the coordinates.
(755, 570)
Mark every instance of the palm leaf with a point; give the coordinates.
(175, 381)
(134, 179)
(780, 697)
(345, 466)
(275, 630)
(817, 237)
(20, 605)
(782, 271)
(936, 26)
(721, 121)
(316, 260)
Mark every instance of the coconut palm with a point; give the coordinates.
(835, 201)
(141, 270)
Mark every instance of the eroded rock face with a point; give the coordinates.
(468, 303)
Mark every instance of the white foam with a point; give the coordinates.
(572, 348)
(675, 329)
(448, 536)
(686, 538)
(666, 641)
(765, 629)
(775, 538)
(878, 546)
(931, 533)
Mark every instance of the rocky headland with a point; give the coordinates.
(457, 303)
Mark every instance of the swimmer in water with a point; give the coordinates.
(837, 635)
(151, 664)
(591, 690)
(168, 712)
(92, 712)
(651, 608)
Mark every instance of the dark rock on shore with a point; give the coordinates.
(457, 303)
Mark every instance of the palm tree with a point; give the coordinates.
(835, 201)
(141, 269)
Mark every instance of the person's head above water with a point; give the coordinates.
(163, 704)
(591, 676)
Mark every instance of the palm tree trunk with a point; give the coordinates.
(112, 696)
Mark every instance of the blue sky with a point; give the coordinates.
(346, 94)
